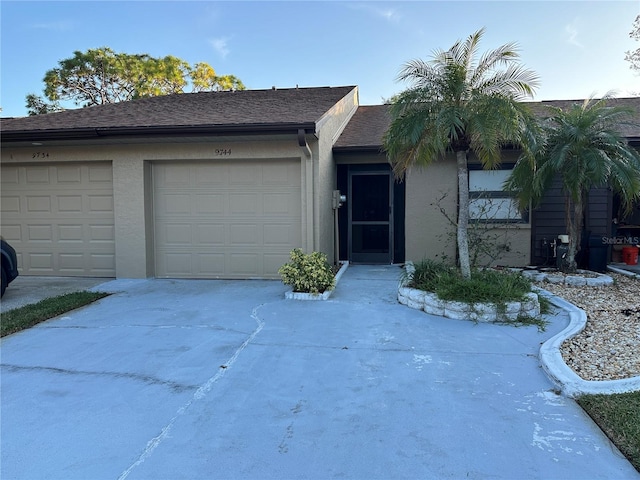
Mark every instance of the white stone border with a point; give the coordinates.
(477, 312)
(599, 280)
(622, 271)
(291, 295)
(560, 373)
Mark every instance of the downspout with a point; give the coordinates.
(307, 176)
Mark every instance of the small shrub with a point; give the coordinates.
(429, 274)
(483, 286)
(308, 273)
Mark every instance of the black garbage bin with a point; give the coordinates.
(598, 253)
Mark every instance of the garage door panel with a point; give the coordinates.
(10, 204)
(38, 175)
(210, 264)
(281, 234)
(287, 203)
(234, 220)
(273, 261)
(70, 233)
(100, 204)
(210, 234)
(243, 204)
(59, 218)
(207, 175)
(209, 204)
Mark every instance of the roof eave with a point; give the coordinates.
(200, 130)
(359, 149)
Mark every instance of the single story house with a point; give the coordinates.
(225, 184)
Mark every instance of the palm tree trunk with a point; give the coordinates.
(463, 214)
(574, 230)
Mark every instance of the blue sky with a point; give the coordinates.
(577, 47)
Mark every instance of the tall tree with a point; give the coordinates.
(582, 147)
(460, 102)
(100, 76)
(633, 56)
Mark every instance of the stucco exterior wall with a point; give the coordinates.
(330, 127)
(428, 234)
(132, 186)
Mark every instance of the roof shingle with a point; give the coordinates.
(229, 108)
(368, 125)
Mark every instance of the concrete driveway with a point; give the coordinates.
(205, 379)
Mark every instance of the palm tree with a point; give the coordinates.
(459, 102)
(582, 147)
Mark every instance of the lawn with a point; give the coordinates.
(619, 418)
(25, 317)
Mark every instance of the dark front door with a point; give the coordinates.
(370, 214)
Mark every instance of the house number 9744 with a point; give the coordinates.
(223, 152)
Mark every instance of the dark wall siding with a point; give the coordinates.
(548, 219)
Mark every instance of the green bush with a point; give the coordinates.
(484, 285)
(429, 274)
(308, 273)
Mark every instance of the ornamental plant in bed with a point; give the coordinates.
(484, 286)
(308, 273)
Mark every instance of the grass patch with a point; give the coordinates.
(25, 317)
(484, 286)
(618, 416)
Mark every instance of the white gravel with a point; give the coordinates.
(609, 346)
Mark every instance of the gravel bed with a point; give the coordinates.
(609, 346)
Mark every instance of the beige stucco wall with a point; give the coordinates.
(132, 188)
(329, 129)
(428, 234)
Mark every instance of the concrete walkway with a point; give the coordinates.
(216, 379)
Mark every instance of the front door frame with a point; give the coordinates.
(377, 257)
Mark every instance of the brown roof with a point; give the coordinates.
(365, 129)
(206, 111)
(367, 126)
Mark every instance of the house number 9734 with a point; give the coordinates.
(223, 152)
(40, 155)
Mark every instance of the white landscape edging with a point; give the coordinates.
(599, 279)
(560, 373)
(291, 295)
(477, 312)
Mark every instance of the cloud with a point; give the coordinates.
(59, 26)
(220, 46)
(386, 13)
(572, 34)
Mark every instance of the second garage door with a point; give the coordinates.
(231, 219)
(59, 218)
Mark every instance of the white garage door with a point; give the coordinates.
(232, 219)
(59, 218)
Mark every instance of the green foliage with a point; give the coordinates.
(25, 317)
(308, 273)
(429, 274)
(582, 146)
(100, 76)
(458, 102)
(484, 286)
(633, 56)
(619, 417)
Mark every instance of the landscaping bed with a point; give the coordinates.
(607, 349)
